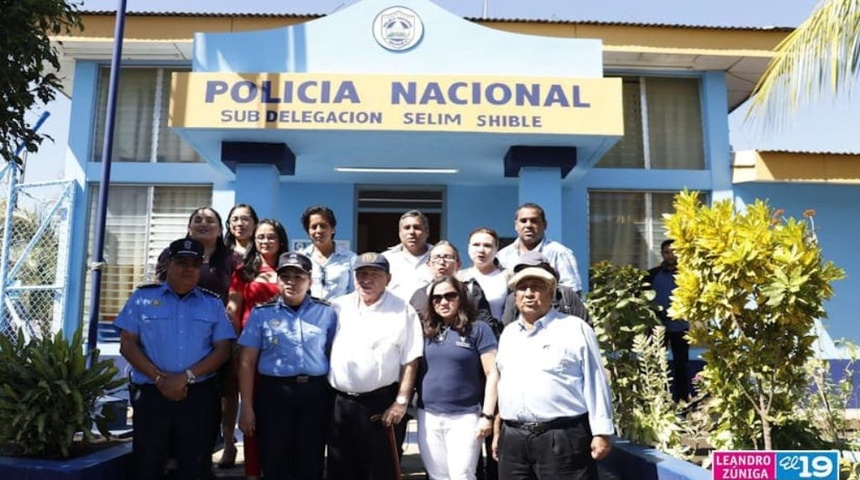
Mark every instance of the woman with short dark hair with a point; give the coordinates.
(332, 264)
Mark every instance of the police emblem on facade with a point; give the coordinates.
(397, 28)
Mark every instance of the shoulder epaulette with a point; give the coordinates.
(320, 300)
(271, 303)
(209, 292)
(149, 285)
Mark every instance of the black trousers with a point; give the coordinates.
(359, 448)
(186, 425)
(554, 454)
(680, 358)
(292, 417)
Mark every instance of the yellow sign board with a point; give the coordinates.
(417, 103)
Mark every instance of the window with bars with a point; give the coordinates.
(141, 133)
(662, 125)
(141, 222)
(627, 227)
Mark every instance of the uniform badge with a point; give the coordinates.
(463, 343)
(275, 323)
(156, 302)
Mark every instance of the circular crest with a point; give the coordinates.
(397, 28)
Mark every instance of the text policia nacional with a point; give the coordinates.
(332, 94)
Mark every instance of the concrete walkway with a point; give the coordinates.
(411, 466)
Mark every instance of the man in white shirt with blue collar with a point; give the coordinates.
(554, 400)
(530, 224)
(408, 259)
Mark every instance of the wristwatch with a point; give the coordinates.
(401, 400)
(192, 379)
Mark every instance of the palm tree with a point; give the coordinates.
(822, 54)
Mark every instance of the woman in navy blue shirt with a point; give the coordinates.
(455, 405)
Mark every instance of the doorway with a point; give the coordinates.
(380, 208)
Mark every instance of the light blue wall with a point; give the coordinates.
(542, 185)
(257, 185)
(838, 231)
(343, 42)
(575, 228)
(715, 128)
(471, 206)
(80, 133)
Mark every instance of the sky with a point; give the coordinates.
(821, 127)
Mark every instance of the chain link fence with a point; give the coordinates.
(35, 221)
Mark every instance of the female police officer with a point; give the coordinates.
(291, 406)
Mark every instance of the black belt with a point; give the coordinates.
(386, 390)
(540, 427)
(294, 379)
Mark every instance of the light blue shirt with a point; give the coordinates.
(553, 371)
(333, 279)
(292, 341)
(560, 257)
(175, 333)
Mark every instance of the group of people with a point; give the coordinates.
(332, 348)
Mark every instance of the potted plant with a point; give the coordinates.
(48, 398)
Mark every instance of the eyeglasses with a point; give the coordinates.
(443, 258)
(449, 297)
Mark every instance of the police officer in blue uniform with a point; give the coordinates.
(288, 342)
(175, 336)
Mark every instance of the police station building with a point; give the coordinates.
(387, 106)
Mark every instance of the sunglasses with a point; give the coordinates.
(450, 297)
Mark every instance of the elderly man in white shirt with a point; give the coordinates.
(374, 360)
(554, 400)
(409, 258)
(530, 224)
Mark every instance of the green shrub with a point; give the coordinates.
(631, 339)
(47, 394)
(751, 284)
